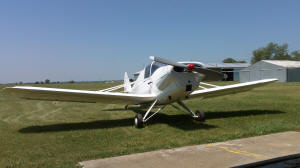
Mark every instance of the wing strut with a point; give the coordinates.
(207, 84)
(114, 88)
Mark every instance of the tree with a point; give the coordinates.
(231, 60)
(47, 81)
(272, 51)
(296, 55)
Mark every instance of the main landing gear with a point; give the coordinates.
(139, 119)
(199, 115)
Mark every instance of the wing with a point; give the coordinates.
(41, 93)
(229, 89)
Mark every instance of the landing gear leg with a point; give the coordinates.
(139, 120)
(198, 115)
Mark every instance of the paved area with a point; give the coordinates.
(223, 154)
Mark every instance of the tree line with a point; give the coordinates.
(46, 81)
(272, 51)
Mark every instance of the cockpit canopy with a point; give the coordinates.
(151, 68)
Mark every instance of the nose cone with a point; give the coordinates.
(191, 66)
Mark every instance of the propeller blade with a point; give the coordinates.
(210, 75)
(168, 62)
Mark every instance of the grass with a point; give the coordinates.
(60, 134)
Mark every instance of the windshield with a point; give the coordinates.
(151, 68)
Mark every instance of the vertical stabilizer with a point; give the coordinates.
(127, 85)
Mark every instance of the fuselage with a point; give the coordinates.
(166, 82)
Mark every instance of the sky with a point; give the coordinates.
(86, 40)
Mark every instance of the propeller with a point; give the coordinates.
(209, 74)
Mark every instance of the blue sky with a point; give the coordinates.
(99, 40)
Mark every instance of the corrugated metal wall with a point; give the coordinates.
(236, 73)
(263, 70)
(293, 75)
(244, 75)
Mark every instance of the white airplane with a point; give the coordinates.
(161, 83)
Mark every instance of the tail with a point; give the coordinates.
(127, 85)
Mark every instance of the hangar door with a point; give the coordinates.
(293, 75)
(244, 75)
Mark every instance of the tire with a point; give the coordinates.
(200, 116)
(138, 121)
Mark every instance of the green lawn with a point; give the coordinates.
(60, 134)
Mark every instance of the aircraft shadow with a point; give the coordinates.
(181, 121)
(241, 113)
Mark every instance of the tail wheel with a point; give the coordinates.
(138, 121)
(200, 115)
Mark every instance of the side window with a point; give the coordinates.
(147, 71)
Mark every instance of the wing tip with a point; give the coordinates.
(271, 80)
(8, 90)
(15, 87)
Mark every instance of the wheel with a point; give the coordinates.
(138, 121)
(200, 116)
